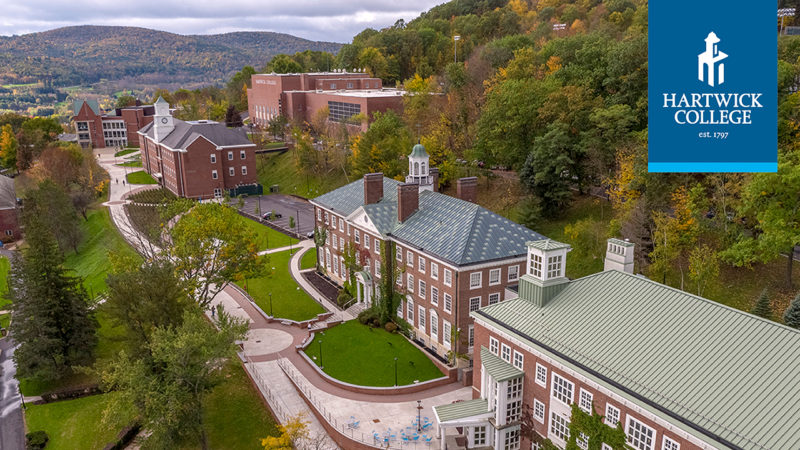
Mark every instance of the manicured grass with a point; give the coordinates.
(309, 259)
(5, 319)
(289, 300)
(280, 169)
(92, 259)
(125, 152)
(131, 164)
(274, 145)
(236, 418)
(266, 237)
(5, 266)
(355, 353)
(78, 423)
(140, 177)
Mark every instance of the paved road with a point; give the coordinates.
(285, 205)
(12, 427)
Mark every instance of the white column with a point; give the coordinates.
(442, 434)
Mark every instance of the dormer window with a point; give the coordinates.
(536, 265)
(554, 266)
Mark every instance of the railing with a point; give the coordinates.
(279, 408)
(343, 428)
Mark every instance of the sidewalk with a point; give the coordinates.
(294, 269)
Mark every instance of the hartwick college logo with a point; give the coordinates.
(713, 111)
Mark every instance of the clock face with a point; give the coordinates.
(164, 120)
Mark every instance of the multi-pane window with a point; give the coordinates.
(512, 440)
(213, 158)
(513, 410)
(434, 296)
(342, 271)
(559, 426)
(434, 270)
(448, 302)
(366, 241)
(538, 411)
(612, 415)
(514, 388)
(471, 336)
(377, 246)
(421, 318)
(541, 375)
(479, 436)
(335, 241)
(518, 360)
(585, 401)
(341, 111)
(494, 277)
(410, 283)
(553, 266)
(475, 280)
(505, 353)
(214, 174)
(494, 298)
(448, 277)
(399, 255)
(494, 345)
(536, 265)
(422, 289)
(319, 214)
(640, 436)
(333, 221)
(562, 389)
(231, 171)
(230, 156)
(377, 267)
(421, 263)
(582, 441)
(326, 218)
(357, 235)
(341, 225)
(474, 303)
(410, 313)
(513, 273)
(241, 154)
(669, 444)
(409, 259)
(341, 243)
(244, 170)
(447, 331)
(434, 323)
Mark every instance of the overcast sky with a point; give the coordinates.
(324, 20)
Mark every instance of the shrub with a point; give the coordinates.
(343, 297)
(369, 317)
(391, 327)
(36, 440)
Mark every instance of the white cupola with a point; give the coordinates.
(163, 123)
(419, 168)
(545, 271)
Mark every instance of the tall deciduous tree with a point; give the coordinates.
(8, 147)
(703, 266)
(382, 147)
(210, 249)
(51, 206)
(53, 323)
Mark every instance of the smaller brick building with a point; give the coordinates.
(96, 129)
(298, 96)
(199, 159)
(9, 210)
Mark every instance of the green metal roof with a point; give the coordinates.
(547, 244)
(716, 371)
(419, 151)
(461, 410)
(456, 231)
(93, 105)
(497, 368)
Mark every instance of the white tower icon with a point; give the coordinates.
(709, 63)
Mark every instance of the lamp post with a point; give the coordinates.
(320, 352)
(455, 48)
(270, 305)
(419, 416)
(395, 371)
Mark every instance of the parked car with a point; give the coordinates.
(271, 216)
(310, 235)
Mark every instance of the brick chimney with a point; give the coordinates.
(467, 189)
(434, 171)
(407, 200)
(373, 188)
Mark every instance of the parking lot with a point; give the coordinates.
(285, 206)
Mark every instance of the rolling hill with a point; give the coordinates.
(82, 55)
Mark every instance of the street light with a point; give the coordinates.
(455, 48)
(270, 305)
(419, 416)
(395, 371)
(320, 351)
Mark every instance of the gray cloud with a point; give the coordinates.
(331, 20)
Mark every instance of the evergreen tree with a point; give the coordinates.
(52, 323)
(762, 307)
(232, 117)
(792, 315)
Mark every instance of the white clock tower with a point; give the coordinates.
(162, 122)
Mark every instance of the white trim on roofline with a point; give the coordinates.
(619, 397)
(220, 147)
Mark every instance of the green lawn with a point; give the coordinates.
(125, 152)
(266, 236)
(78, 423)
(236, 418)
(279, 168)
(5, 319)
(355, 353)
(289, 300)
(92, 259)
(140, 177)
(5, 266)
(131, 164)
(309, 260)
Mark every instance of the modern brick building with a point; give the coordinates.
(198, 159)
(299, 96)
(96, 129)
(452, 256)
(9, 210)
(677, 371)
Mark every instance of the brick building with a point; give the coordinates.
(96, 129)
(9, 210)
(299, 96)
(452, 256)
(198, 159)
(677, 371)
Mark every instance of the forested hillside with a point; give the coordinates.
(86, 54)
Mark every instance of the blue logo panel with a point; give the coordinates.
(713, 86)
